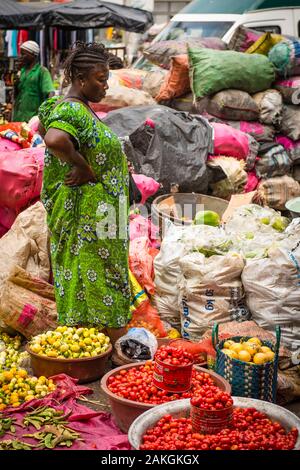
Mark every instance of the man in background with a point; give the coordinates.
(34, 84)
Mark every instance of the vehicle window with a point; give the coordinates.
(266, 29)
(194, 29)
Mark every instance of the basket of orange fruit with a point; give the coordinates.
(249, 364)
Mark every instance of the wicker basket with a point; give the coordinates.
(248, 380)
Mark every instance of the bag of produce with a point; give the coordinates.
(234, 105)
(290, 125)
(235, 180)
(273, 161)
(177, 81)
(243, 38)
(138, 344)
(184, 103)
(260, 132)
(285, 56)
(212, 71)
(131, 78)
(210, 290)
(21, 175)
(264, 44)
(231, 142)
(141, 257)
(272, 292)
(120, 97)
(160, 53)
(270, 106)
(26, 245)
(275, 192)
(289, 88)
(27, 304)
(153, 81)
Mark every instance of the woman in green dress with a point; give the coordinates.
(85, 193)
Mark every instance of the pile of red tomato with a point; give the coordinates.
(137, 384)
(251, 430)
(211, 398)
(171, 355)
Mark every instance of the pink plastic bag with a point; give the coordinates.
(141, 257)
(101, 115)
(141, 227)
(34, 124)
(230, 142)
(147, 186)
(21, 175)
(8, 146)
(252, 182)
(292, 147)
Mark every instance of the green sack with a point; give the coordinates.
(212, 71)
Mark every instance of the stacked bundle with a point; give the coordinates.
(245, 94)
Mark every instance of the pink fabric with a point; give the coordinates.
(288, 144)
(147, 186)
(101, 115)
(141, 227)
(21, 175)
(293, 82)
(230, 142)
(252, 182)
(252, 127)
(34, 124)
(141, 257)
(97, 429)
(7, 216)
(7, 145)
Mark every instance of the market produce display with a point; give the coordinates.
(17, 386)
(251, 351)
(251, 430)
(70, 343)
(10, 354)
(137, 384)
(174, 356)
(211, 398)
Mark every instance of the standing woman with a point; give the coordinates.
(85, 181)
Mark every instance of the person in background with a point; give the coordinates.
(33, 86)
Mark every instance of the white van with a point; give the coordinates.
(220, 18)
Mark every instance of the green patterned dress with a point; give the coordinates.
(89, 254)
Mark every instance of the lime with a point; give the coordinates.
(207, 218)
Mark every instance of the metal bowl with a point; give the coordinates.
(85, 369)
(181, 409)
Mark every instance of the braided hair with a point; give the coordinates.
(115, 62)
(82, 58)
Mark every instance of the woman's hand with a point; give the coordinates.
(79, 175)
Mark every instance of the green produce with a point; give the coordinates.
(207, 218)
(45, 415)
(7, 425)
(53, 436)
(10, 355)
(15, 445)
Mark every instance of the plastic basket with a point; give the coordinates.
(248, 380)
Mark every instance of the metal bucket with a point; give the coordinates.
(181, 409)
(175, 206)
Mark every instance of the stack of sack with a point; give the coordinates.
(248, 90)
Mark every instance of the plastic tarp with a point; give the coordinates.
(165, 144)
(74, 15)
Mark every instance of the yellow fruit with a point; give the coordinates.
(64, 347)
(75, 348)
(254, 340)
(244, 356)
(270, 356)
(230, 353)
(265, 349)
(259, 358)
(51, 353)
(228, 343)
(237, 347)
(252, 348)
(36, 348)
(87, 341)
(86, 333)
(8, 375)
(57, 344)
(29, 397)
